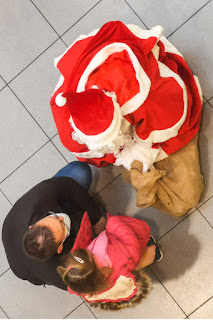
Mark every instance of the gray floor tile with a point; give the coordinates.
(106, 10)
(194, 40)
(157, 305)
(100, 176)
(21, 299)
(2, 84)
(206, 150)
(120, 198)
(64, 13)
(82, 312)
(5, 207)
(2, 314)
(69, 156)
(42, 165)
(186, 269)
(162, 12)
(204, 312)
(206, 210)
(20, 136)
(103, 176)
(24, 35)
(35, 85)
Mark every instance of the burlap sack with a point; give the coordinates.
(173, 185)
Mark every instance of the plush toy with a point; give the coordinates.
(125, 94)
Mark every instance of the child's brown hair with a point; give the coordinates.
(81, 273)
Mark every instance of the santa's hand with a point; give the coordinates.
(100, 226)
(135, 151)
(125, 157)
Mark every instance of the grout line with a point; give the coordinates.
(5, 83)
(39, 127)
(90, 310)
(200, 205)
(29, 112)
(59, 151)
(6, 197)
(48, 22)
(73, 310)
(25, 161)
(106, 185)
(200, 306)
(189, 18)
(209, 99)
(210, 103)
(205, 218)
(205, 99)
(4, 272)
(3, 87)
(54, 136)
(4, 312)
(168, 291)
(59, 37)
(136, 14)
(80, 18)
(3, 79)
(34, 60)
(178, 223)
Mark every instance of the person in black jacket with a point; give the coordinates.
(50, 212)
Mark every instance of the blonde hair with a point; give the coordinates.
(82, 274)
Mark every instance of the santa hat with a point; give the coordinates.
(95, 116)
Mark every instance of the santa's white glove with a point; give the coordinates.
(135, 151)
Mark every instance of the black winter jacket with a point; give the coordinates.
(61, 194)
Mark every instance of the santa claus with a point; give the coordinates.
(125, 94)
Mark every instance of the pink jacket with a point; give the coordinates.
(126, 240)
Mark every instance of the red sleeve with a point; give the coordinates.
(132, 235)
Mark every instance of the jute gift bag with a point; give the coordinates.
(173, 185)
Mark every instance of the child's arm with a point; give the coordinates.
(147, 258)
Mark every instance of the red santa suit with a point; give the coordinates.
(153, 98)
(120, 246)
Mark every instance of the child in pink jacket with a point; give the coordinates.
(107, 271)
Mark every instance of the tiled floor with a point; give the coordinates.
(32, 34)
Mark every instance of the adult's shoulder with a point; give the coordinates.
(39, 198)
(43, 188)
(24, 208)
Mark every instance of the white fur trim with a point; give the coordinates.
(89, 154)
(169, 47)
(142, 78)
(156, 52)
(161, 155)
(157, 136)
(123, 288)
(142, 150)
(199, 88)
(60, 100)
(145, 34)
(134, 151)
(123, 135)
